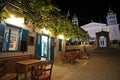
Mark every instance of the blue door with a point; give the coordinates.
(51, 49)
(38, 44)
(44, 47)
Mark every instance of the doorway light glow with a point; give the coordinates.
(18, 21)
(46, 31)
(61, 36)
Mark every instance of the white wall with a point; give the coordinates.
(92, 28)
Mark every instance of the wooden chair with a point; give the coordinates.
(43, 71)
(64, 58)
(78, 54)
(71, 58)
(6, 76)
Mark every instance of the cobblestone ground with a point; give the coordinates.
(102, 64)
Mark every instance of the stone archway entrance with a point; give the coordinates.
(102, 39)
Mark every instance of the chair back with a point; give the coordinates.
(43, 71)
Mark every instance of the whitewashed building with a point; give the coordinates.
(112, 27)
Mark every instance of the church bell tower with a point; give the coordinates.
(111, 18)
(75, 20)
(114, 31)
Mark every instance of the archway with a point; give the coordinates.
(102, 39)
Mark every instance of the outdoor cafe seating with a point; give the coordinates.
(42, 71)
(71, 56)
(14, 66)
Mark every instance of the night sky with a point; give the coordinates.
(87, 10)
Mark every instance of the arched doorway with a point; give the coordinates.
(102, 41)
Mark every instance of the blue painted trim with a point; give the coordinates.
(2, 32)
(25, 34)
(38, 44)
(51, 48)
(19, 39)
(8, 44)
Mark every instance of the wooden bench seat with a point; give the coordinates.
(11, 76)
(10, 67)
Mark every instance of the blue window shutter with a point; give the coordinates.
(24, 40)
(8, 43)
(19, 40)
(38, 44)
(25, 34)
(2, 31)
(51, 48)
(60, 44)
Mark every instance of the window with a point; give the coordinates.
(13, 37)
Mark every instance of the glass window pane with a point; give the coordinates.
(11, 39)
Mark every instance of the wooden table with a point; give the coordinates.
(26, 64)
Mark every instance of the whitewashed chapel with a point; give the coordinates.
(112, 27)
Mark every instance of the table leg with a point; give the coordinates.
(26, 73)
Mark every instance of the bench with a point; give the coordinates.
(9, 64)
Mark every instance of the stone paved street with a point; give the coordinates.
(103, 64)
